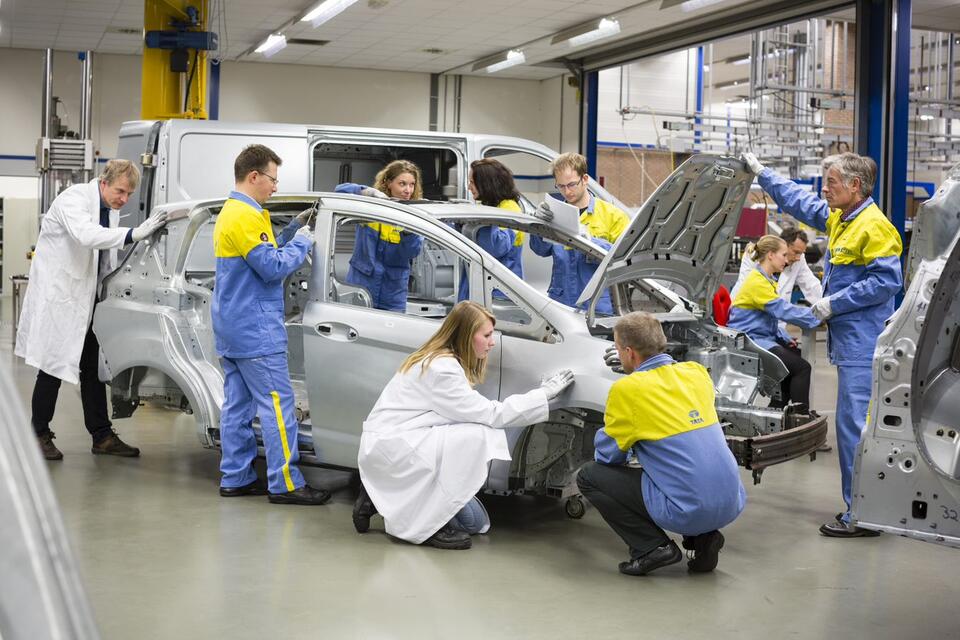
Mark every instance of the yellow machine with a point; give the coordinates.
(175, 69)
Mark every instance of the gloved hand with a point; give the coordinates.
(304, 216)
(752, 163)
(612, 359)
(306, 232)
(148, 226)
(543, 212)
(555, 384)
(585, 231)
(821, 309)
(370, 192)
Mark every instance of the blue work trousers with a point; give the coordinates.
(472, 518)
(252, 387)
(853, 399)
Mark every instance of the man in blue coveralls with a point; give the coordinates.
(861, 278)
(662, 413)
(251, 338)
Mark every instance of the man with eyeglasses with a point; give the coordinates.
(601, 221)
(251, 338)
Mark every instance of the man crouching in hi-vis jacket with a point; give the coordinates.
(663, 414)
(427, 444)
(77, 247)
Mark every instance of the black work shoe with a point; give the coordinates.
(47, 448)
(112, 445)
(304, 495)
(449, 538)
(706, 551)
(363, 510)
(255, 488)
(662, 556)
(838, 529)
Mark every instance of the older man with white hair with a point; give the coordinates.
(862, 276)
(79, 238)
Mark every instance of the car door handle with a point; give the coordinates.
(337, 331)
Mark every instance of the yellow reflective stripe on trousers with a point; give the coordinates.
(283, 440)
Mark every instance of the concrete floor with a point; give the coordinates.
(163, 556)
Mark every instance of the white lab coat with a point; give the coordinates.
(796, 274)
(58, 305)
(427, 444)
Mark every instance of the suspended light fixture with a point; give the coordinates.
(500, 61)
(273, 44)
(326, 11)
(589, 32)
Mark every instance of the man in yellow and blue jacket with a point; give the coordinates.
(662, 414)
(861, 279)
(251, 338)
(603, 222)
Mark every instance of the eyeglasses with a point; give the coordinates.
(569, 185)
(272, 179)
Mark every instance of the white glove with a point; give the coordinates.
(752, 163)
(148, 226)
(612, 359)
(370, 192)
(821, 309)
(306, 232)
(555, 384)
(304, 216)
(543, 212)
(585, 232)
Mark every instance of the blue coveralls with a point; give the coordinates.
(862, 276)
(381, 259)
(757, 308)
(572, 270)
(506, 245)
(251, 340)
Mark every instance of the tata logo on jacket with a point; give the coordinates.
(695, 417)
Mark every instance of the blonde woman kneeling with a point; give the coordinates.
(427, 444)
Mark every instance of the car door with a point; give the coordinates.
(351, 350)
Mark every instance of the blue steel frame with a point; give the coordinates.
(214, 91)
(588, 112)
(883, 94)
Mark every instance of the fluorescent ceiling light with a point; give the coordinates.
(326, 11)
(272, 45)
(500, 61)
(589, 32)
(688, 5)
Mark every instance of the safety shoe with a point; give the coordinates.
(47, 448)
(662, 556)
(304, 495)
(839, 529)
(449, 538)
(255, 488)
(706, 551)
(112, 445)
(363, 510)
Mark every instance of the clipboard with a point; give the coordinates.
(566, 216)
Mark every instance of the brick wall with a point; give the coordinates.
(623, 176)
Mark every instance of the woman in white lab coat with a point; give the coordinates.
(427, 444)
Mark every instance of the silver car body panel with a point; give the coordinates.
(41, 595)
(907, 470)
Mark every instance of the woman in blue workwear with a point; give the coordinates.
(756, 310)
(861, 279)
(491, 184)
(382, 253)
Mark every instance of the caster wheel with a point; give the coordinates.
(574, 507)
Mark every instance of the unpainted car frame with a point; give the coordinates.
(154, 326)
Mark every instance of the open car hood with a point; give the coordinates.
(682, 233)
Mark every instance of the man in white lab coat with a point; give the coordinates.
(79, 238)
(796, 274)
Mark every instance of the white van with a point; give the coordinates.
(193, 159)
